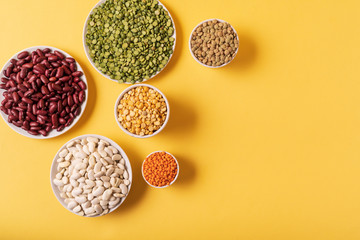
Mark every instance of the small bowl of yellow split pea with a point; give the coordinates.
(142, 111)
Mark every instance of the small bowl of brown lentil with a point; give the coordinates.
(160, 169)
(142, 111)
(214, 43)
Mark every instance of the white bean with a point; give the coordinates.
(123, 188)
(116, 157)
(92, 139)
(77, 209)
(98, 191)
(80, 199)
(63, 153)
(107, 194)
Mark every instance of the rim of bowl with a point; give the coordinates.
(53, 133)
(177, 174)
(86, 48)
(121, 96)
(207, 20)
(54, 165)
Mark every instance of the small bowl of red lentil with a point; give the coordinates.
(160, 169)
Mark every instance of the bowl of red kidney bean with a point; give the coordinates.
(43, 92)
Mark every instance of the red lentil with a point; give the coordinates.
(160, 169)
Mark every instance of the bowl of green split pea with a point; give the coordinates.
(129, 41)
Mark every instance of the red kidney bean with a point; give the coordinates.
(32, 78)
(34, 124)
(70, 101)
(29, 92)
(77, 74)
(41, 60)
(35, 128)
(23, 72)
(34, 86)
(69, 60)
(82, 85)
(44, 79)
(54, 120)
(34, 110)
(41, 112)
(31, 116)
(73, 67)
(33, 132)
(20, 62)
(65, 79)
(63, 113)
(66, 69)
(27, 100)
(46, 50)
(41, 103)
(28, 58)
(18, 78)
(67, 89)
(59, 106)
(40, 68)
(53, 109)
(16, 97)
(62, 121)
(13, 89)
(8, 71)
(52, 58)
(60, 128)
(26, 125)
(73, 108)
(59, 54)
(82, 96)
(44, 90)
(27, 65)
(76, 86)
(40, 52)
(23, 55)
(40, 119)
(4, 109)
(17, 123)
(35, 58)
(42, 87)
(69, 121)
(43, 132)
(55, 64)
(56, 87)
(65, 63)
(48, 128)
(76, 98)
(64, 102)
(22, 87)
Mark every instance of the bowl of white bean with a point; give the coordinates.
(91, 175)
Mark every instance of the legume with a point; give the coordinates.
(44, 91)
(160, 169)
(214, 43)
(130, 40)
(142, 111)
(91, 176)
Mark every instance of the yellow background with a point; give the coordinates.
(268, 146)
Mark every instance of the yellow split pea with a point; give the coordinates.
(142, 111)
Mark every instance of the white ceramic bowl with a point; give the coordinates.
(177, 174)
(192, 54)
(87, 48)
(52, 133)
(53, 171)
(121, 96)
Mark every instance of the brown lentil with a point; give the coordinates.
(142, 111)
(214, 43)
